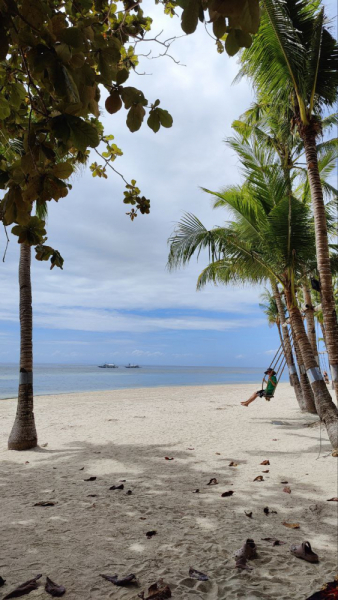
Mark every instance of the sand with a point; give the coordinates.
(126, 435)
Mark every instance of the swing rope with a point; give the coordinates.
(278, 365)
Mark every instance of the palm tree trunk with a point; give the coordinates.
(323, 257)
(310, 321)
(309, 399)
(326, 409)
(294, 380)
(23, 435)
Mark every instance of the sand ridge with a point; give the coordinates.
(125, 435)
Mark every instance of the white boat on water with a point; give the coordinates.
(132, 366)
(108, 366)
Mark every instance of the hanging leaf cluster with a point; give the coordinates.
(233, 21)
(55, 58)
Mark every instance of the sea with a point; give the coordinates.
(63, 379)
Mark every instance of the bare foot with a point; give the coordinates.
(244, 404)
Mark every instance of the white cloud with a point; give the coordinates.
(269, 352)
(146, 353)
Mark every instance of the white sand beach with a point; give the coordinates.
(126, 435)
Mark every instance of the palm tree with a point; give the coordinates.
(275, 310)
(261, 244)
(293, 64)
(23, 435)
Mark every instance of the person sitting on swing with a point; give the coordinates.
(269, 390)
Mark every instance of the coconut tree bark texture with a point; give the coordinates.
(23, 435)
(310, 321)
(288, 351)
(322, 248)
(326, 409)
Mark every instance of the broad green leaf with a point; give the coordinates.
(135, 117)
(122, 76)
(73, 36)
(190, 16)
(62, 170)
(34, 12)
(232, 44)
(131, 95)
(165, 118)
(154, 120)
(82, 134)
(5, 109)
(219, 27)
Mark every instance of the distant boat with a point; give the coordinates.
(132, 366)
(108, 366)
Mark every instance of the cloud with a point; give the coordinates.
(146, 353)
(240, 356)
(271, 351)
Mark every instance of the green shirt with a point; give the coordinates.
(270, 388)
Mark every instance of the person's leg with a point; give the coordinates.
(251, 399)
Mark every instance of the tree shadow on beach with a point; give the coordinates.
(92, 529)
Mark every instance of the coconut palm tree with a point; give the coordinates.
(275, 310)
(259, 245)
(293, 64)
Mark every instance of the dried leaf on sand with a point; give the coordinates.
(150, 534)
(125, 581)
(24, 588)
(157, 591)
(197, 575)
(291, 525)
(259, 478)
(54, 589)
(287, 489)
(213, 481)
(265, 462)
(226, 494)
(273, 541)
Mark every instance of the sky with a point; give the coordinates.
(115, 300)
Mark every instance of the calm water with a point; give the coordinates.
(59, 379)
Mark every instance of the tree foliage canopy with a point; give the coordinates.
(54, 56)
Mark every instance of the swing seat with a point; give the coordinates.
(268, 398)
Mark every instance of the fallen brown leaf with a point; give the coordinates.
(233, 464)
(125, 581)
(291, 525)
(197, 575)
(332, 500)
(54, 589)
(248, 514)
(267, 471)
(157, 591)
(167, 458)
(273, 541)
(213, 481)
(226, 494)
(265, 462)
(287, 489)
(24, 588)
(150, 534)
(259, 478)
